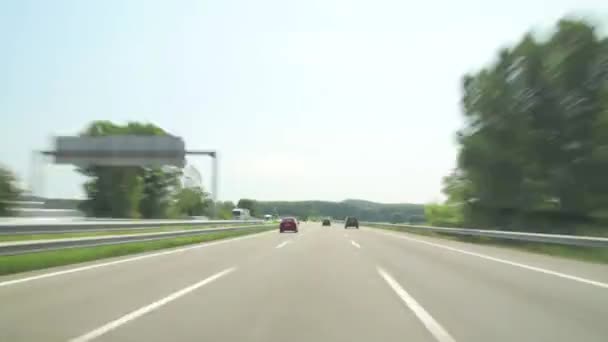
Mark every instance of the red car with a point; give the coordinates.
(288, 223)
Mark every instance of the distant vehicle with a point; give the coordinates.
(288, 224)
(267, 217)
(351, 222)
(240, 214)
(326, 222)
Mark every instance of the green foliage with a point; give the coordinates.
(192, 202)
(127, 191)
(111, 231)
(363, 210)
(224, 210)
(443, 215)
(245, 203)
(158, 186)
(8, 191)
(534, 151)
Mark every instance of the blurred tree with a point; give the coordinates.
(363, 210)
(535, 141)
(245, 203)
(397, 218)
(158, 186)
(224, 210)
(8, 191)
(133, 192)
(192, 201)
(446, 215)
(416, 219)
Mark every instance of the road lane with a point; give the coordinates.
(133, 315)
(320, 285)
(482, 300)
(62, 307)
(320, 288)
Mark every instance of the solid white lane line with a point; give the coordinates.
(504, 261)
(148, 308)
(122, 261)
(282, 244)
(355, 244)
(429, 322)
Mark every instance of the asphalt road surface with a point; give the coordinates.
(322, 284)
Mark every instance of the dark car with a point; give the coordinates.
(288, 224)
(351, 222)
(326, 222)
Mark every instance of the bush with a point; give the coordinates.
(443, 215)
(8, 191)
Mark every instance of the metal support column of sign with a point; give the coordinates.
(214, 174)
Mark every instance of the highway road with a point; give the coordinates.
(322, 284)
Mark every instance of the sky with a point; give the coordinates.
(314, 99)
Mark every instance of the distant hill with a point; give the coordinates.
(364, 210)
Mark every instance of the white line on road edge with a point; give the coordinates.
(148, 308)
(282, 244)
(355, 244)
(429, 322)
(503, 261)
(121, 261)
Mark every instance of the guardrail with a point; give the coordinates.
(23, 247)
(571, 240)
(51, 227)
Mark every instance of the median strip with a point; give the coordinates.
(109, 232)
(10, 264)
(24, 247)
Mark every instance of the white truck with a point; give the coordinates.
(241, 214)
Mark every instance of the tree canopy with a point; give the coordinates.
(246, 203)
(363, 210)
(224, 210)
(192, 201)
(534, 149)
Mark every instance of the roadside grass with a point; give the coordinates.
(589, 254)
(11, 264)
(101, 232)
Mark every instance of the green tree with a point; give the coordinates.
(363, 210)
(192, 201)
(534, 147)
(158, 187)
(443, 215)
(114, 191)
(245, 203)
(8, 191)
(224, 210)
